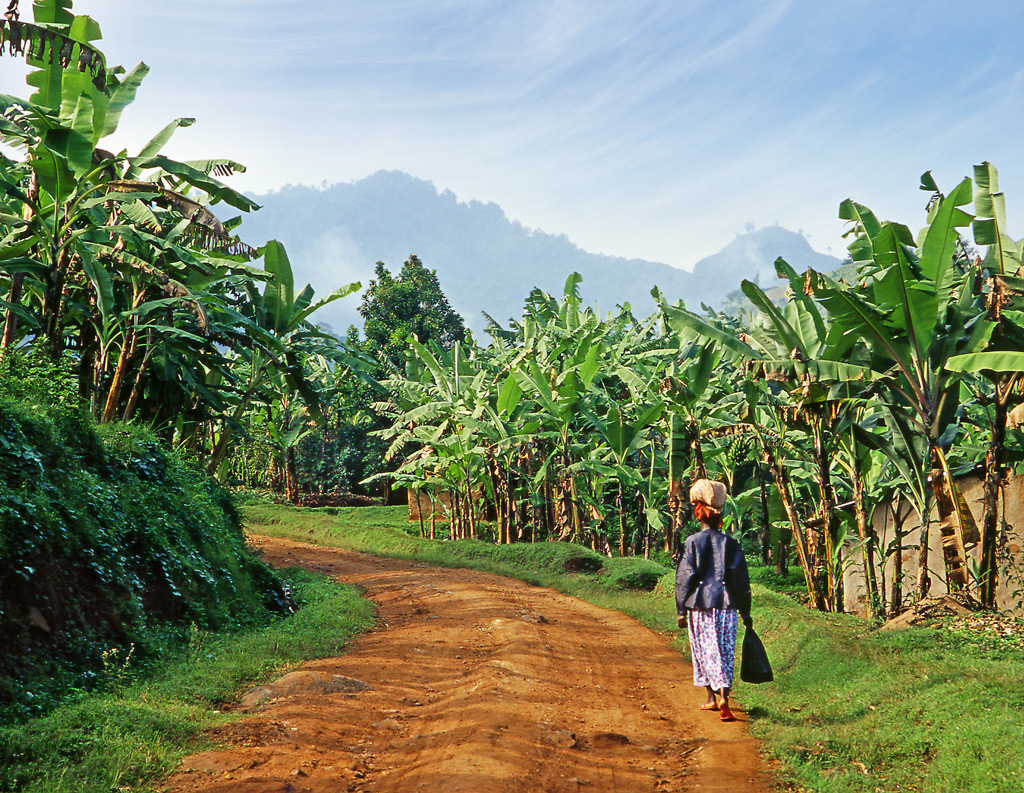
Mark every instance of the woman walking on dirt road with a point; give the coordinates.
(712, 589)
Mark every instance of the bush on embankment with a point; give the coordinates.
(108, 544)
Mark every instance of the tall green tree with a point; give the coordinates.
(397, 308)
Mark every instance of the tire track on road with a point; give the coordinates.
(482, 684)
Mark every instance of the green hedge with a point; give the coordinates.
(632, 572)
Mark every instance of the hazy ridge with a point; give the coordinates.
(485, 261)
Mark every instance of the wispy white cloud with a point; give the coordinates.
(655, 128)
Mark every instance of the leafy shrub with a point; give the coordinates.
(107, 541)
(552, 557)
(792, 583)
(632, 572)
(34, 378)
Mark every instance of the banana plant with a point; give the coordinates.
(915, 310)
(439, 410)
(561, 355)
(1000, 362)
(279, 333)
(822, 380)
(89, 238)
(623, 439)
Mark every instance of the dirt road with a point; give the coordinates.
(477, 684)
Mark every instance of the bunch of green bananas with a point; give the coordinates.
(740, 450)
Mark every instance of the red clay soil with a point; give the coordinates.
(473, 683)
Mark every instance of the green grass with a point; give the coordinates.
(128, 737)
(851, 709)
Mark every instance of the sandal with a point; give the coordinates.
(727, 713)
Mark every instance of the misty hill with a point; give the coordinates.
(485, 262)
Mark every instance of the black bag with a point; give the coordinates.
(754, 665)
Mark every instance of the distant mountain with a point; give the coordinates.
(752, 256)
(484, 261)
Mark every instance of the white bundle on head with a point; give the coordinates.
(709, 492)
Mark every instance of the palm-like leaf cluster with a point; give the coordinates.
(120, 262)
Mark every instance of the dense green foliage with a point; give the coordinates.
(119, 260)
(134, 733)
(411, 304)
(107, 541)
(852, 709)
(851, 399)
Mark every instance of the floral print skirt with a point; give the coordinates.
(712, 646)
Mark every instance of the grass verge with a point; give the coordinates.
(126, 738)
(851, 709)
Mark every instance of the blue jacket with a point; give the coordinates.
(712, 574)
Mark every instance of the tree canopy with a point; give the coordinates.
(396, 309)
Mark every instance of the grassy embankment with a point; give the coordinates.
(134, 733)
(130, 607)
(852, 709)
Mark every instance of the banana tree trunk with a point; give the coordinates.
(117, 381)
(433, 515)
(896, 596)
(18, 280)
(518, 496)
(782, 555)
(956, 524)
(924, 581)
(419, 513)
(291, 480)
(274, 478)
(698, 456)
(129, 347)
(11, 322)
(133, 397)
(867, 538)
(826, 562)
(574, 507)
(679, 458)
(550, 507)
(994, 460)
(499, 488)
(642, 519)
(766, 529)
(676, 503)
(53, 304)
(620, 502)
(471, 510)
(562, 497)
(455, 516)
(782, 485)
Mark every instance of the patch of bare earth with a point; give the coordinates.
(473, 682)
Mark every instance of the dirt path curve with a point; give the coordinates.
(477, 684)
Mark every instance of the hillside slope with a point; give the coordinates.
(107, 543)
(485, 261)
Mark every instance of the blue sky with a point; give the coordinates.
(654, 129)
